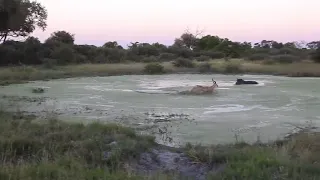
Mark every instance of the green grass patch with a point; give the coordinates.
(54, 149)
(297, 158)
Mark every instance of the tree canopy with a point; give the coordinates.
(20, 18)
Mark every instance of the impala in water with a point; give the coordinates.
(202, 89)
(196, 90)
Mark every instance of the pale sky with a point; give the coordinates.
(98, 21)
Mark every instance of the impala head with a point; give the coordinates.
(214, 83)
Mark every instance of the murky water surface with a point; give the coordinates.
(149, 104)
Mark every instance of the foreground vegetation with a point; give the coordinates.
(56, 150)
(51, 149)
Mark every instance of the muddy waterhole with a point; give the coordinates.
(150, 104)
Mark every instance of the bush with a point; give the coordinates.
(167, 56)
(258, 56)
(183, 62)
(286, 51)
(206, 67)
(315, 56)
(10, 54)
(285, 58)
(49, 63)
(63, 54)
(260, 50)
(132, 57)
(154, 68)
(81, 58)
(32, 51)
(269, 62)
(100, 59)
(203, 58)
(213, 54)
(149, 59)
(114, 55)
(89, 51)
(274, 52)
(233, 67)
(181, 51)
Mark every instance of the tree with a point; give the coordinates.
(32, 51)
(313, 44)
(64, 54)
(316, 55)
(133, 45)
(300, 44)
(209, 42)
(143, 49)
(20, 18)
(188, 40)
(61, 37)
(290, 45)
(160, 47)
(112, 44)
(266, 44)
(277, 45)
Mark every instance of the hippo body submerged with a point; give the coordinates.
(241, 81)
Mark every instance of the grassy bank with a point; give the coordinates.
(238, 66)
(38, 149)
(295, 159)
(56, 150)
(9, 75)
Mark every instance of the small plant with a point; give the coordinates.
(154, 68)
(183, 62)
(38, 90)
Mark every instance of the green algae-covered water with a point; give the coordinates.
(150, 104)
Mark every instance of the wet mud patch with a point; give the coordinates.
(160, 125)
(25, 104)
(25, 99)
(175, 162)
(46, 106)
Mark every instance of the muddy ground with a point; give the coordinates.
(166, 160)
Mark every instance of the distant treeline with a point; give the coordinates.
(59, 49)
(19, 18)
